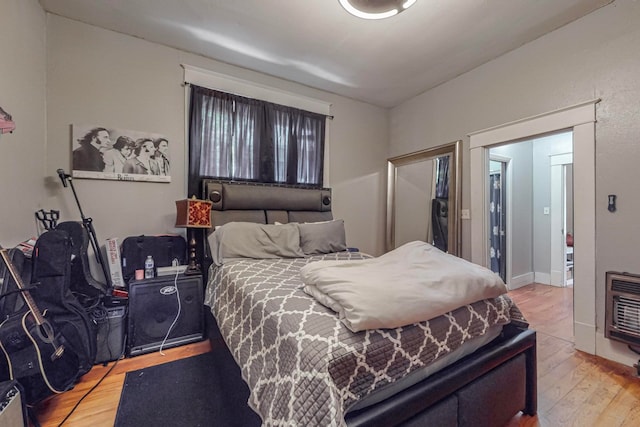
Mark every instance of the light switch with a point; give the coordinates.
(546, 210)
(465, 214)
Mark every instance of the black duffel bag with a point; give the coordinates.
(164, 249)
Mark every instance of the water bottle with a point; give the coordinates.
(149, 272)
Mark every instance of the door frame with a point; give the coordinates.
(581, 119)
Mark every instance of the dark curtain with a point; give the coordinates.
(295, 135)
(496, 222)
(442, 177)
(234, 137)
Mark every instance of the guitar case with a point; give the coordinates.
(82, 283)
(10, 299)
(49, 343)
(52, 273)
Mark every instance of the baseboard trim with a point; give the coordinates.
(543, 278)
(521, 280)
(614, 350)
(556, 278)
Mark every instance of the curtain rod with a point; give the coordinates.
(330, 117)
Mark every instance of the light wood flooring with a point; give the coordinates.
(99, 408)
(574, 389)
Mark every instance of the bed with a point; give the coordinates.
(304, 365)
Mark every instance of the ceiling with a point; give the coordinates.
(318, 44)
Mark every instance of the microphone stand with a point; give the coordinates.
(88, 225)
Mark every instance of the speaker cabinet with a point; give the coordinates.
(154, 306)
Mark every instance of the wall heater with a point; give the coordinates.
(622, 313)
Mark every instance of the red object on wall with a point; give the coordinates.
(6, 122)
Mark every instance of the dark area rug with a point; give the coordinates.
(203, 390)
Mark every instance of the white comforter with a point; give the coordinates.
(413, 283)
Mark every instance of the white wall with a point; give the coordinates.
(105, 78)
(413, 194)
(358, 171)
(594, 57)
(543, 148)
(22, 94)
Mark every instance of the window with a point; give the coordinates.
(239, 138)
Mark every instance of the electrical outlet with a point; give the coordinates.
(465, 214)
(546, 210)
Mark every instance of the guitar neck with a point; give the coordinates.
(25, 293)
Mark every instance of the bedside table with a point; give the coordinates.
(156, 306)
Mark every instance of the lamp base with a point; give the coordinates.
(192, 268)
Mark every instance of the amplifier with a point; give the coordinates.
(164, 307)
(13, 410)
(110, 338)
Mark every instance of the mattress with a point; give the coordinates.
(303, 366)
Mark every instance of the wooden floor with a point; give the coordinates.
(99, 408)
(574, 389)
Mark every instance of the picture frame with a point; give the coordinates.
(101, 152)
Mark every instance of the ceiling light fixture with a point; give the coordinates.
(375, 9)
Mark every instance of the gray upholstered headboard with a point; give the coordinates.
(265, 203)
(261, 203)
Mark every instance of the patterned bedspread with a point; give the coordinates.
(302, 365)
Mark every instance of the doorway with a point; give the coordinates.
(581, 119)
(525, 197)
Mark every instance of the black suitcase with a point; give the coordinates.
(164, 249)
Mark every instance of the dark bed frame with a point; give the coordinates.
(486, 388)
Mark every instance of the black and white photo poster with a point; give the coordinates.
(100, 152)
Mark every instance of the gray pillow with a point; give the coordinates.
(252, 240)
(322, 237)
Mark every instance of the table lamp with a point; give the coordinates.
(190, 214)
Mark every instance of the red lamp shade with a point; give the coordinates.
(193, 213)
